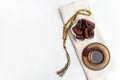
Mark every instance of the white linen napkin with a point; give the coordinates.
(66, 13)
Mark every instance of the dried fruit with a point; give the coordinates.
(86, 34)
(80, 37)
(91, 34)
(84, 29)
(92, 25)
(77, 31)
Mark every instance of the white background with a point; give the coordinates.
(31, 39)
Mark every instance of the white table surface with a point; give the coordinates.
(31, 39)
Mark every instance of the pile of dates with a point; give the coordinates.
(84, 29)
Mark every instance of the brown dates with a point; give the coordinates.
(84, 29)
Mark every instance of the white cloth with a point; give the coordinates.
(66, 13)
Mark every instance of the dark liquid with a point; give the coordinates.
(96, 57)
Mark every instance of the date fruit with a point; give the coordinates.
(84, 29)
